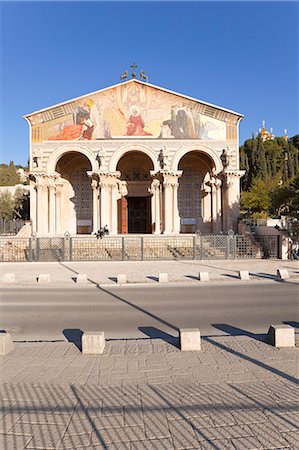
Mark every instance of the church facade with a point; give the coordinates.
(136, 158)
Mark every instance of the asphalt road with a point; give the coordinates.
(43, 313)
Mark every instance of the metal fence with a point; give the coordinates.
(138, 248)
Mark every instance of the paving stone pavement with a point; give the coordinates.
(180, 271)
(236, 393)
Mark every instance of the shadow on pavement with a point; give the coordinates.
(292, 323)
(154, 333)
(153, 278)
(74, 335)
(235, 331)
(267, 276)
(236, 277)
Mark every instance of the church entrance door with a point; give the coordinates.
(138, 214)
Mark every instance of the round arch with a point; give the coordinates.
(129, 148)
(61, 151)
(200, 148)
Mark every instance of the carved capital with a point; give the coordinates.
(94, 184)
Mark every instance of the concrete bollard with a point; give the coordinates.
(93, 342)
(121, 278)
(6, 344)
(163, 277)
(81, 278)
(281, 335)
(8, 278)
(282, 274)
(190, 339)
(244, 275)
(203, 276)
(43, 278)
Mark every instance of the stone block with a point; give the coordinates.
(81, 278)
(203, 276)
(8, 278)
(281, 335)
(244, 275)
(93, 342)
(190, 339)
(43, 278)
(6, 344)
(122, 278)
(163, 277)
(282, 274)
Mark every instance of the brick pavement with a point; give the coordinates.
(104, 273)
(237, 393)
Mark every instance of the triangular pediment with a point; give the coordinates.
(132, 109)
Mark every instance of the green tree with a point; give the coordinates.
(260, 164)
(256, 201)
(7, 205)
(9, 175)
(14, 206)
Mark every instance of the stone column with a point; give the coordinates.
(218, 205)
(95, 205)
(108, 183)
(155, 203)
(170, 204)
(59, 186)
(52, 208)
(104, 213)
(231, 194)
(42, 204)
(33, 213)
(167, 206)
(114, 198)
(214, 205)
(176, 216)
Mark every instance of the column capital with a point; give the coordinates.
(155, 185)
(233, 174)
(94, 184)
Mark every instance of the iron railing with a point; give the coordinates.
(139, 248)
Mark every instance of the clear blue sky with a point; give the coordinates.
(239, 55)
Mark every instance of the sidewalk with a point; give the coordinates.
(236, 393)
(104, 273)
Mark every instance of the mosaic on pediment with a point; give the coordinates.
(132, 110)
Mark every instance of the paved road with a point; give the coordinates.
(43, 313)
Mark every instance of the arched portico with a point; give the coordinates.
(61, 151)
(121, 151)
(212, 154)
(75, 205)
(199, 192)
(134, 208)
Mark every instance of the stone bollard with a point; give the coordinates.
(203, 276)
(190, 339)
(121, 278)
(282, 274)
(244, 275)
(93, 342)
(163, 277)
(6, 344)
(281, 335)
(43, 278)
(8, 278)
(81, 278)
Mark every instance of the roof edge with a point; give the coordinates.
(137, 81)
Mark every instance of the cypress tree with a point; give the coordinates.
(260, 164)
